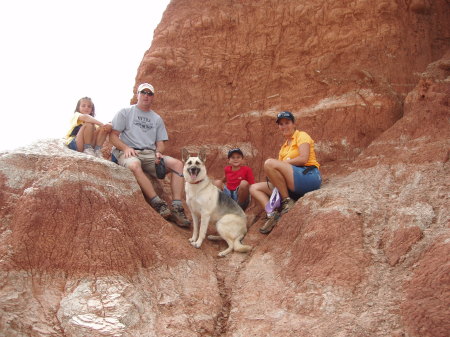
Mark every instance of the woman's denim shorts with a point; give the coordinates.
(305, 182)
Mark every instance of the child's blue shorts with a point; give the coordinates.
(234, 196)
(305, 183)
(72, 145)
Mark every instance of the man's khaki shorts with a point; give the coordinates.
(146, 157)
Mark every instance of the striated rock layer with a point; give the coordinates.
(223, 69)
(368, 254)
(82, 253)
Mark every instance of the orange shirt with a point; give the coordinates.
(291, 151)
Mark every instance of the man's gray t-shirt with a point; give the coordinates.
(139, 129)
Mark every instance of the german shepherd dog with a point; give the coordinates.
(208, 204)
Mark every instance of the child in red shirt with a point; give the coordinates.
(237, 179)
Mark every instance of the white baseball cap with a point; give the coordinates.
(146, 86)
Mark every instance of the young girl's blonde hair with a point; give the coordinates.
(77, 109)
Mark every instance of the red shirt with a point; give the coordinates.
(234, 178)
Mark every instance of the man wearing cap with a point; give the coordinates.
(138, 136)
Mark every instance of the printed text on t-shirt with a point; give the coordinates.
(144, 123)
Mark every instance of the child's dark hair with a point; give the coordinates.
(77, 109)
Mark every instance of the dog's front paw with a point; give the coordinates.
(197, 244)
(192, 240)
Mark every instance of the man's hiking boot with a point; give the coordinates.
(162, 208)
(286, 205)
(272, 220)
(179, 216)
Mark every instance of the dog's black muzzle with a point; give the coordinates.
(193, 170)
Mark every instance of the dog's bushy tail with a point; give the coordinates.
(239, 247)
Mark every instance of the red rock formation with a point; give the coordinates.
(342, 67)
(367, 255)
(427, 293)
(82, 254)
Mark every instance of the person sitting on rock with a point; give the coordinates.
(86, 134)
(294, 173)
(237, 179)
(138, 136)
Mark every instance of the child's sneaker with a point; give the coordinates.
(162, 208)
(89, 151)
(286, 205)
(272, 220)
(179, 216)
(98, 153)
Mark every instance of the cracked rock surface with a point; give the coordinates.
(83, 254)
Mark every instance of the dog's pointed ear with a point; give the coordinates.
(184, 154)
(202, 154)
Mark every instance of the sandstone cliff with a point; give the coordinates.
(343, 67)
(82, 254)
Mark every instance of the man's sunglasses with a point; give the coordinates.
(148, 93)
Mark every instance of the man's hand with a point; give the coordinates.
(130, 152)
(158, 156)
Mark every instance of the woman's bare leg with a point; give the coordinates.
(280, 175)
(261, 192)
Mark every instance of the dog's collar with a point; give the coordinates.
(197, 182)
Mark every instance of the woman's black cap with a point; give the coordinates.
(285, 114)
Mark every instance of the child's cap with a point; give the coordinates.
(285, 114)
(236, 150)
(146, 86)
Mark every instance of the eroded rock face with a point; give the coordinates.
(223, 70)
(367, 255)
(83, 254)
(351, 71)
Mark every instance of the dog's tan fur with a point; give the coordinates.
(208, 204)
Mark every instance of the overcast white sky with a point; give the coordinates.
(54, 52)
